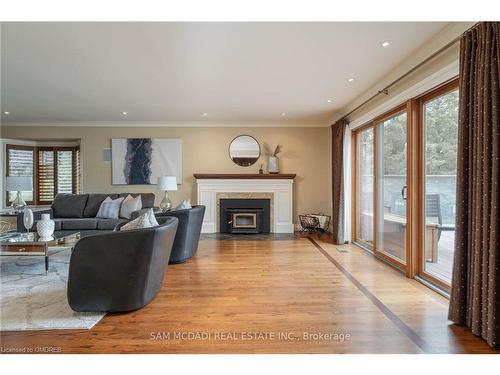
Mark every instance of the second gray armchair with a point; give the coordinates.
(188, 232)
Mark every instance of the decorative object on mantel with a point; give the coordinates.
(261, 170)
(166, 184)
(19, 184)
(140, 161)
(28, 219)
(273, 166)
(244, 150)
(45, 227)
(315, 223)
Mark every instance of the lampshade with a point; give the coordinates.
(167, 183)
(19, 183)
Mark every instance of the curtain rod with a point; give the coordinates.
(385, 90)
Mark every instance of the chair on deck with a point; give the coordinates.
(433, 210)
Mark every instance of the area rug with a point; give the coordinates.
(31, 300)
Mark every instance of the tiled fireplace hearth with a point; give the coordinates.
(278, 189)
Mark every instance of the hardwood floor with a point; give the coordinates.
(283, 296)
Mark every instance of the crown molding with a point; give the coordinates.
(180, 124)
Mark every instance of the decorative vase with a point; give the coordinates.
(273, 165)
(28, 219)
(45, 227)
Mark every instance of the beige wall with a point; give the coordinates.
(306, 152)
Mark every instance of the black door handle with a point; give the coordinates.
(403, 192)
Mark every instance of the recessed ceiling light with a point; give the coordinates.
(124, 113)
(283, 114)
(204, 114)
(387, 43)
(329, 100)
(350, 79)
(6, 113)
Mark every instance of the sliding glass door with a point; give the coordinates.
(439, 129)
(391, 186)
(380, 186)
(405, 181)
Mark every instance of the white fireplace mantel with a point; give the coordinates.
(281, 188)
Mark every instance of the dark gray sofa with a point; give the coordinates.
(188, 232)
(121, 270)
(77, 212)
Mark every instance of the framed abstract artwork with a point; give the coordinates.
(140, 161)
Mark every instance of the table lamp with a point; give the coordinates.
(19, 184)
(166, 184)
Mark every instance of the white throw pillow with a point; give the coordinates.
(184, 205)
(110, 208)
(152, 218)
(138, 223)
(108, 199)
(129, 205)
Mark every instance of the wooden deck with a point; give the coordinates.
(442, 269)
(444, 266)
(288, 296)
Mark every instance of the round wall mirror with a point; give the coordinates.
(244, 150)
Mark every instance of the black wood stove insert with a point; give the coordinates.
(245, 215)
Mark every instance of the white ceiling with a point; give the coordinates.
(174, 72)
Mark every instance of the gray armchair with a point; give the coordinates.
(188, 233)
(121, 270)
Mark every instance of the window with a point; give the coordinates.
(20, 162)
(45, 176)
(439, 111)
(391, 186)
(55, 170)
(65, 171)
(364, 220)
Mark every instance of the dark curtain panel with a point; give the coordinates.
(338, 130)
(475, 293)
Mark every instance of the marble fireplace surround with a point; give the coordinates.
(278, 188)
